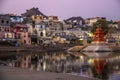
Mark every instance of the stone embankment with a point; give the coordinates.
(38, 48)
(76, 48)
(113, 47)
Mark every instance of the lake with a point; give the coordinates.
(104, 65)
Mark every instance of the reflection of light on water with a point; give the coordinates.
(98, 54)
(119, 72)
(116, 67)
(44, 65)
(73, 62)
(81, 57)
(91, 61)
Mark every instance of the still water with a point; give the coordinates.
(105, 66)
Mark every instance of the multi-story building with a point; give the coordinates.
(21, 34)
(7, 21)
(53, 18)
(91, 21)
(115, 24)
(4, 25)
(75, 21)
(40, 29)
(67, 26)
(37, 18)
(113, 35)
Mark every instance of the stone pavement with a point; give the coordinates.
(8, 73)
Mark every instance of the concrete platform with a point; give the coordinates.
(97, 48)
(97, 54)
(8, 73)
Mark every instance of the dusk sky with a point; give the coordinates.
(65, 8)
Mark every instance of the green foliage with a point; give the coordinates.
(89, 40)
(100, 23)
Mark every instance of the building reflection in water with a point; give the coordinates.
(99, 65)
(100, 69)
(104, 65)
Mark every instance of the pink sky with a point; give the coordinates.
(65, 8)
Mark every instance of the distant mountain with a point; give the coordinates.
(33, 11)
(78, 20)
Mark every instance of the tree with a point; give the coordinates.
(100, 23)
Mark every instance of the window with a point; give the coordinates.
(41, 34)
(24, 58)
(40, 17)
(24, 35)
(7, 30)
(24, 41)
(19, 36)
(35, 17)
(2, 21)
(25, 30)
(7, 22)
(41, 26)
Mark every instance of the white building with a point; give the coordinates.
(41, 30)
(91, 21)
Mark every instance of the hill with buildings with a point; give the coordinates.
(77, 20)
(33, 11)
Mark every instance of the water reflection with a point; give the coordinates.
(99, 65)
(100, 69)
(104, 65)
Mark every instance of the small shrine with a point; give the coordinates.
(98, 43)
(99, 35)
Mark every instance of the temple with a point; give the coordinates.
(99, 35)
(98, 43)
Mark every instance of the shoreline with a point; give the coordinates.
(59, 47)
